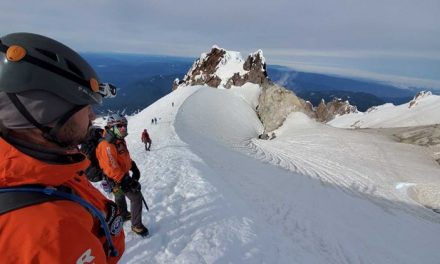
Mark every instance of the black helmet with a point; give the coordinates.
(34, 62)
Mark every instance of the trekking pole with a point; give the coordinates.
(145, 203)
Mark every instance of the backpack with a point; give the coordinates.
(94, 172)
(13, 198)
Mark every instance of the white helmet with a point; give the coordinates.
(114, 124)
(115, 119)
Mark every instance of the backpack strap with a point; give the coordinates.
(10, 201)
(109, 137)
(13, 198)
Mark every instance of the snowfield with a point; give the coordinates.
(314, 194)
(423, 111)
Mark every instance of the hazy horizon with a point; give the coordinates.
(394, 40)
(326, 69)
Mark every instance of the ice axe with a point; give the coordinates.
(145, 203)
(138, 189)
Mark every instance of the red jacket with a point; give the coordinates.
(52, 232)
(145, 137)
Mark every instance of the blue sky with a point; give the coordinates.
(397, 40)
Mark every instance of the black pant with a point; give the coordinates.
(135, 205)
(147, 146)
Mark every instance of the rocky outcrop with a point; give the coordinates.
(223, 69)
(276, 103)
(255, 66)
(417, 98)
(214, 69)
(176, 83)
(326, 112)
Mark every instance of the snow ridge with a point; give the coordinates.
(315, 194)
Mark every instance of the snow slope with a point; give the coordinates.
(315, 194)
(425, 111)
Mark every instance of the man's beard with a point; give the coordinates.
(71, 137)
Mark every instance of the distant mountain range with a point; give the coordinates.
(141, 93)
(143, 79)
(307, 83)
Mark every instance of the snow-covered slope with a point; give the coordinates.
(423, 110)
(315, 194)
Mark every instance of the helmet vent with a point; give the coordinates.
(48, 54)
(74, 69)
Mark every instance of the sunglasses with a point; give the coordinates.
(121, 125)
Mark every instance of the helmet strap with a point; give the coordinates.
(116, 132)
(49, 133)
(60, 123)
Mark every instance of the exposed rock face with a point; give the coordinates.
(256, 67)
(276, 103)
(326, 112)
(209, 70)
(176, 83)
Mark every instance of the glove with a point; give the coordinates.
(128, 184)
(135, 186)
(136, 173)
(106, 186)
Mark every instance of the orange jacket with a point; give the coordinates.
(114, 159)
(52, 232)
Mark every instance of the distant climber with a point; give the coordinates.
(146, 139)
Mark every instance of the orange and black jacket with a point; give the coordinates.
(114, 158)
(58, 231)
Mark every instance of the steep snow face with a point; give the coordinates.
(249, 92)
(419, 97)
(231, 63)
(422, 110)
(315, 194)
(229, 125)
